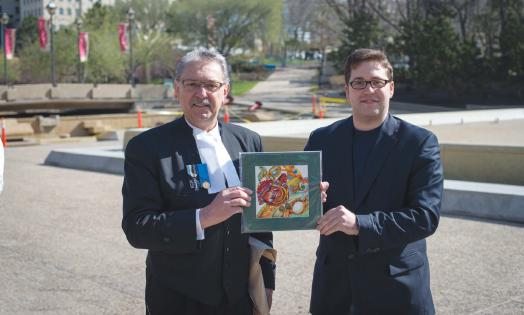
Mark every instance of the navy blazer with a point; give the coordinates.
(383, 270)
(159, 215)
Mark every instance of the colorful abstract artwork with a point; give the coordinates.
(282, 191)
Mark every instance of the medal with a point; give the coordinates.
(203, 176)
(198, 176)
(193, 177)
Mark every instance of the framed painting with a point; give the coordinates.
(286, 190)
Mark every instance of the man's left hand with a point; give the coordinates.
(338, 219)
(324, 186)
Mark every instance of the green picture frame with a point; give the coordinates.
(286, 190)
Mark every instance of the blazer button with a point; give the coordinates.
(351, 256)
(227, 249)
(167, 239)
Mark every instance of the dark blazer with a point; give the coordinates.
(159, 215)
(383, 270)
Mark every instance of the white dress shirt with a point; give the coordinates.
(220, 167)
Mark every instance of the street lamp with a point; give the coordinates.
(130, 20)
(78, 23)
(51, 9)
(4, 20)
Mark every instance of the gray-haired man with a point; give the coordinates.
(182, 200)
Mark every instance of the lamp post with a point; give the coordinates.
(4, 20)
(78, 23)
(51, 9)
(130, 20)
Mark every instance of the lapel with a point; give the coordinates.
(386, 141)
(346, 161)
(184, 149)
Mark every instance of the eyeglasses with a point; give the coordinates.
(375, 83)
(209, 86)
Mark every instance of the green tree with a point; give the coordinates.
(433, 48)
(153, 47)
(27, 32)
(226, 24)
(361, 27)
(13, 70)
(511, 14)
(105, 63)
(35, 65)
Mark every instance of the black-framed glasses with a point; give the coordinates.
(195, 85)
(375, 83)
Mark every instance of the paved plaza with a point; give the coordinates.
(62, 250)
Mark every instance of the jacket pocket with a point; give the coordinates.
(406, 264)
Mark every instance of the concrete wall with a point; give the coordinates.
(483, 163)
(476, 163)
(31, 92)
(75, 126)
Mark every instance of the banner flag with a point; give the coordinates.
(10, 39)
(122, 37)
(43, 32)
(83, 46)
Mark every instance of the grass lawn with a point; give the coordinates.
(241, 87)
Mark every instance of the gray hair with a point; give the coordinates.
(202, 54)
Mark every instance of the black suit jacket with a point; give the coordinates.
(159, 215)
(383, 270)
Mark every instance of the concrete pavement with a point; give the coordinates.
(62, 250)
(291, 88)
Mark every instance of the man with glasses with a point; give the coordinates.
(386, 184)
(183, 200)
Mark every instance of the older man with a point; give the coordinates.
(182, 200)
(386, 186)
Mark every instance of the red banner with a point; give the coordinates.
(122, 37)
(83, 46)
(43, 32)
(10, 39)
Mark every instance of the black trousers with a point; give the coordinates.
(161, 300)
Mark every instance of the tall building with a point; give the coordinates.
(66, 10)
(12, 8)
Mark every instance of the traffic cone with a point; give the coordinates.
(321, 113)
(4, 134)
(139, 117)
(226, 114)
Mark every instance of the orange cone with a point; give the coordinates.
(4, 134)
(139, 117)
(320, 113)
(226, 115)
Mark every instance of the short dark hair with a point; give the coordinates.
(363, 55)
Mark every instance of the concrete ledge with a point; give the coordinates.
(112, 91)
(104, 160)
(483, 163)
(484, 200)
(480, 200)
(70, 90)
(149, 91)
(28, 92)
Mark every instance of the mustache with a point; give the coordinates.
(204, 102)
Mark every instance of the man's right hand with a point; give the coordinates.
(226, 203)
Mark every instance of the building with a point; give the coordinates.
(12, 8)
(66, 10)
